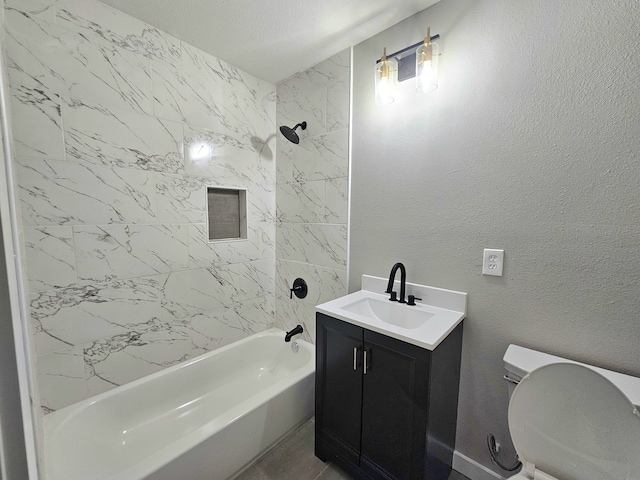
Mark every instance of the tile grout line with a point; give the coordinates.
(323, 470)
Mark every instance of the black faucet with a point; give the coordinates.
(403, 282)
(295, 331)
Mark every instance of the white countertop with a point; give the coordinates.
(429, 335)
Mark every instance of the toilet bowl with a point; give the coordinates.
(570, 421)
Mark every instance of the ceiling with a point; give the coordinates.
(272, 39)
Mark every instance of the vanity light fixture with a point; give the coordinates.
(386, 72)
(419, 60)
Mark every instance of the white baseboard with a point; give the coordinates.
(472, 469)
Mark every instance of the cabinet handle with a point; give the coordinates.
(365, 362)
(355, 358)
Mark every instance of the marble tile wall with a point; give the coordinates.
(312, 187)
(118, 129)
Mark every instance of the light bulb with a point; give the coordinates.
(385, 79)
(427, 67)
(384, 95)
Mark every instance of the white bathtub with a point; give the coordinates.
(204, 419)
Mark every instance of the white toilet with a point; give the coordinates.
(570, 421)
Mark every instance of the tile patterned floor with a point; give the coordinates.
(293, 459)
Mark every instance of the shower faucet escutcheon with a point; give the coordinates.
(403, 283)
(300, 288)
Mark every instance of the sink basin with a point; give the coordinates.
(425, 324)
(398, 314)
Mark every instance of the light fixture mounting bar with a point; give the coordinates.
(406, 49)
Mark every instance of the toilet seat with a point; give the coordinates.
(570, 423)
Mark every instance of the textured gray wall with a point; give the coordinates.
(530, 144)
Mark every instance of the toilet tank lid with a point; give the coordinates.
(519, 361)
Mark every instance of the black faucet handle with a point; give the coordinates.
(412, 300)
(394, 297)
(299, 288)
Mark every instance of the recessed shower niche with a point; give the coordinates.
(226, 214)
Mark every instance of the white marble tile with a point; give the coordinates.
(334, 284)
(314, 171)
(62, 316)
(286, 273)
(257, 278)
(147, 349)
(43, 9)
(267, 163)
(108, 252)
(70, 65)
(67, 193)
(244, 103)
(261, 203)
(227, 283)
(336, 200)
(77, 315)
(284, 164)
(182, 199)
(50, 257)
(172, 96)
(225, 159)
(216, 329)
(232, 323)
(301, 202)
(297, 313)
(94, 64)
(193, 292)
(338, 105)
(208, 93)
(175, 295)
(323, 283)
(116, 202)
(260, 244)
(95, 20)
(45, 341)
(102, 136)
(318, 244)
(322, 157)
(36, 119)
(300, 100)
(188, 96)
(61, 378)
(332, 69)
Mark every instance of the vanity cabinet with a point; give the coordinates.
(385, 409)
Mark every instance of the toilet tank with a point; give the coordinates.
(519, 361)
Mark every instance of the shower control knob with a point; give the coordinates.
(299, 288)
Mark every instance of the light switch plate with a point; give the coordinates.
(492, 262)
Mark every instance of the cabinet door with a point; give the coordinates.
(394, 408)
(338, 389)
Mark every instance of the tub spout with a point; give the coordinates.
(295, 331)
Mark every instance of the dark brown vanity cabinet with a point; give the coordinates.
(385, 409)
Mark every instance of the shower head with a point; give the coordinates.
(290, 133)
